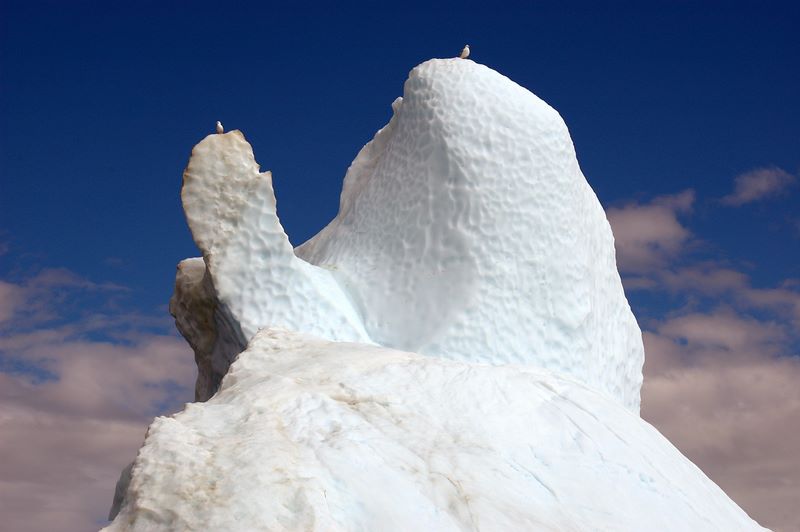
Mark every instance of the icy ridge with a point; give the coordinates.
(307, 434)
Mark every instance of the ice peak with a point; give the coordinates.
(466, 231)
(468, 234)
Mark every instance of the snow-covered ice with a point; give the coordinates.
(307, 434)
(248, 263)
(454, 351)
(466, 230)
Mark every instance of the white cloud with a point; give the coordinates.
(725, 332)
(39, 299)
(710, 280)
(75, 407)
(720, 386)
(722, 365)
(11, 298)
(58, 473)
(649, 235)
(758, 184)
(784, 299)
(705, 278)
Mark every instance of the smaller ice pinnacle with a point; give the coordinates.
(220, 129)
(464, 52)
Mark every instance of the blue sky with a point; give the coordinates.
(102, 104)
(685, 117)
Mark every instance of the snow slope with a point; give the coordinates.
(307, 434)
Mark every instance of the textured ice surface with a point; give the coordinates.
(249, 274)
(306, 434)
(468, 234)
(466, 231)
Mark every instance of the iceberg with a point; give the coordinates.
(466, 230)
(453, 351)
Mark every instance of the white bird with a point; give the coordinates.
(464, 52)
(220, 129)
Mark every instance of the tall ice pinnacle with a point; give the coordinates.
(466, 230)
(249, 276)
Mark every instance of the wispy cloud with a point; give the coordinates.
(649, 235)
(784, 299)
(48, 295)
(707, 278)
(725, 333)
(723, 388)
(58, 473)
(723, 283)
(78, 390)
(11, 298)
(758, 184)
(722, 354)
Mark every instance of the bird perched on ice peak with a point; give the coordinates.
(220, 129)
(464, 52)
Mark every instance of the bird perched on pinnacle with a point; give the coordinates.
(220, 129)
(464, 52)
